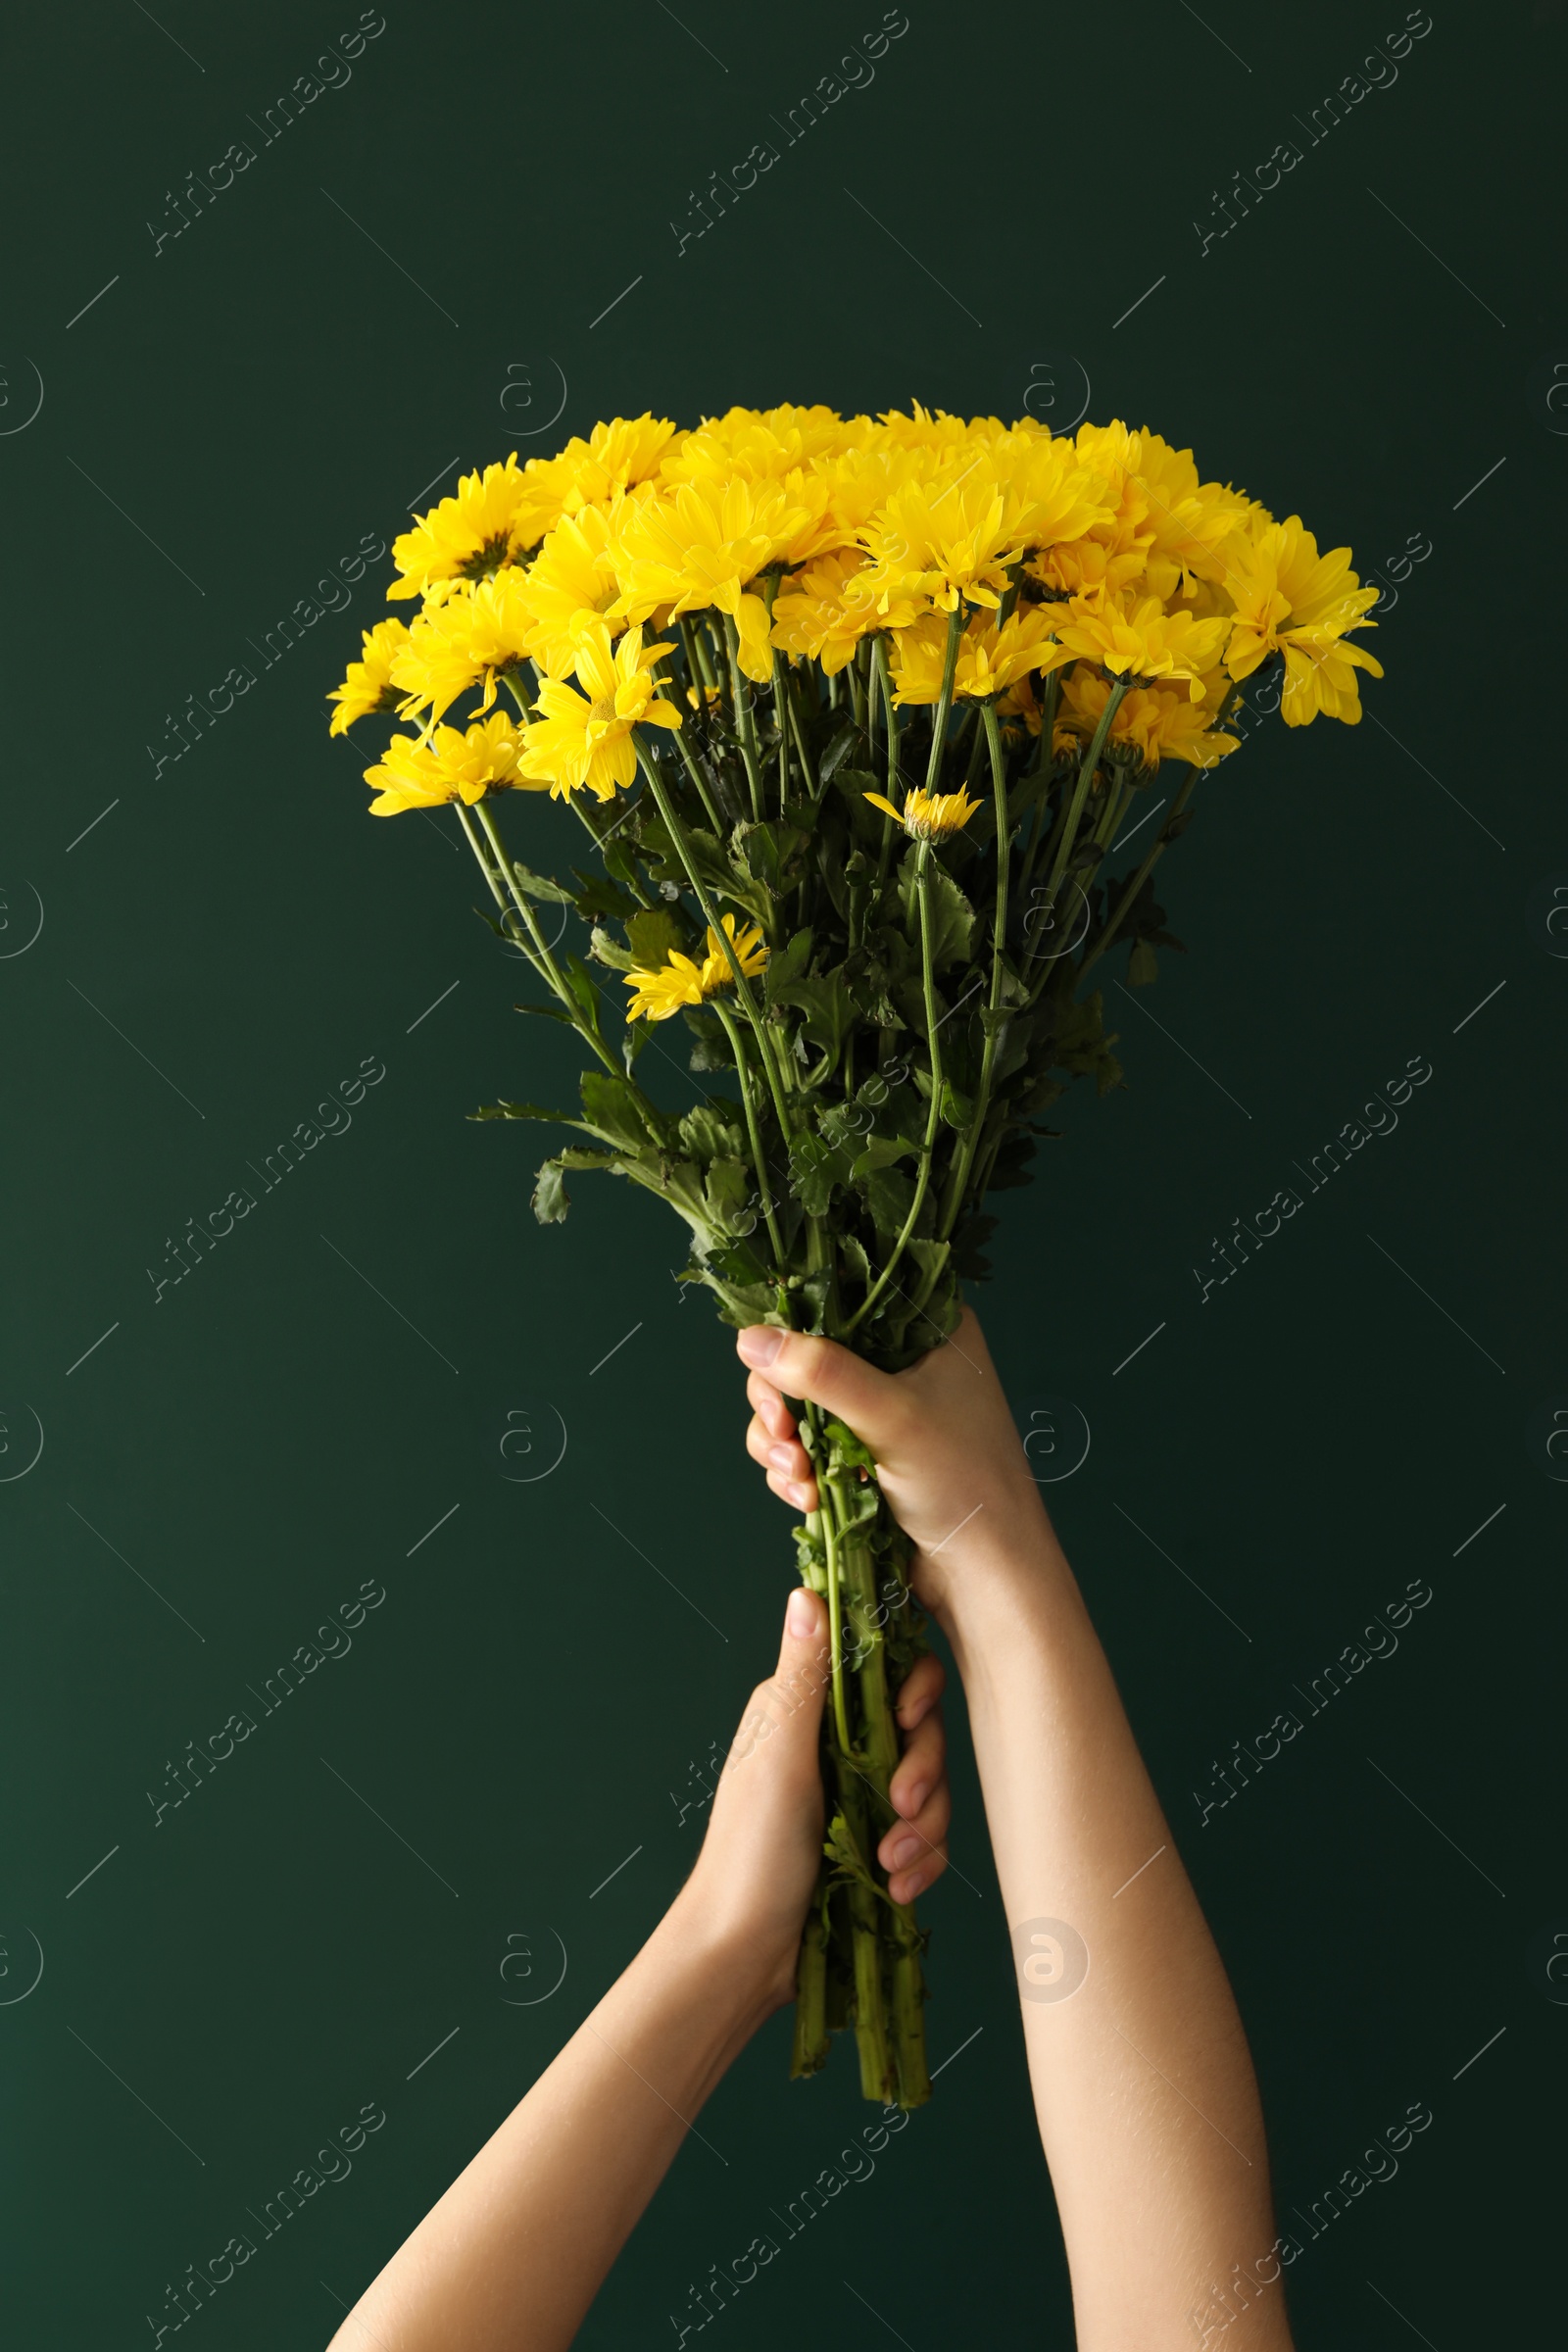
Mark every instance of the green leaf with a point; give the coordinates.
(890, 1196)
(551, 1199)
(619, 1111)
(653, 934)
(828, 1007)
(540, 885)
(522, 1110)
(956, 1109)
(852, 1252)
(853, 1451)
(708, 1135)
(729, 1191)
(605, 949)
(1142, 965)
(815, 1167)
(881, 1153)
(595, 895)
(838, 751)
(788, 964)
(952, 918)
(584, 989)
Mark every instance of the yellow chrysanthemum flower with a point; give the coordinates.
(571, 580)
(1156, 721)
(817, 618)
(585, 739)
(944, 541)
(990, 660)
(369, 685)
(467, 535)
(682, 980)
(452, 765)
(697, 547)
(1320, 667)
(470, 639)
(1137, 639)
(1290, 599)
(929, 816)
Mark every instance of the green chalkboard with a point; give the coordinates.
(480, 1484)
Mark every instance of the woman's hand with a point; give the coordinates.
(759, 1864)
(948, 1453)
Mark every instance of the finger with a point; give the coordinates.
(790, 1460)
(922, 1687)
(869, 1400)
(922, 1767)
(799, 1493)
(907, 1884)
(769, 1406)
(804, 1669)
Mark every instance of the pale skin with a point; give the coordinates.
(1143, 2085)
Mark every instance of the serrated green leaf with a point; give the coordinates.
(828, 1007)
(619, 1111)
(708, 1135)
(881, 1153)
(952, 918)
(551, 1199)
(605, 949)
(653, 936)
(522, 1110)
(1142, 965)
(541, 886)
(788, 964)
(890, 1196)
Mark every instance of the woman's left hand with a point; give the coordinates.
(759, 1860)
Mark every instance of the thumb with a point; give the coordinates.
(804, 1667)
(801, 1365)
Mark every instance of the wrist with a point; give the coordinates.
(741, 1978)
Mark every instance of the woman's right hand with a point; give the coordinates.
(949, 1456)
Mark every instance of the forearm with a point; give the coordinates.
(1143, 2084)
(515, 2252)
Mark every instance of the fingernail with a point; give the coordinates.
(781, 1457)
(801, 1495)
(914, 1885)
(913, 1800)
(759, 1344)
(905, 1851)
(800, 1617)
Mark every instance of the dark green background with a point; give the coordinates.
(253, 399)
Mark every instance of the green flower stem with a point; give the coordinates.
(808, 2052)
(939, 721)
(798, 730)
(879, 664)
(758, 1159)
(827, 1526)
(1085, 774)
(1113, 922)
(579, 802)
(518, 692)
(710, 915)
(999, 941)
(933, 1114)
(538, 955)
(744, 723)
(1043, 766)
(699, 780)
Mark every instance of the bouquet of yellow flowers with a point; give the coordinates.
(852, 712)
